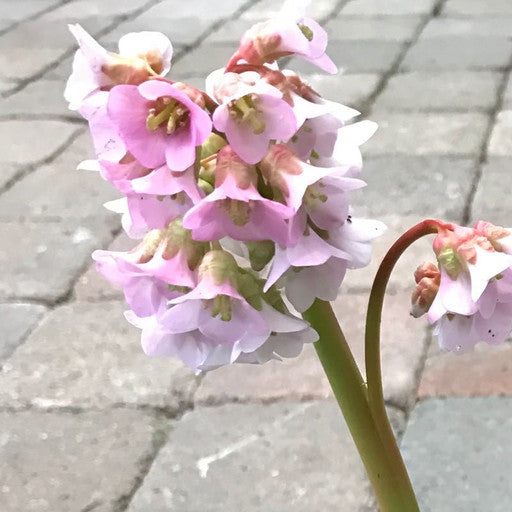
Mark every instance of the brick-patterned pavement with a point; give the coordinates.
(88, 423)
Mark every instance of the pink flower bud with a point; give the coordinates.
(428, 278)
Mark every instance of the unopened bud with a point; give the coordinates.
(428, 279)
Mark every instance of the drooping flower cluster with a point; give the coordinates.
(468, 296)
(238, 194)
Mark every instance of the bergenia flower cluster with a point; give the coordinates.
(238, 194)
(468, 295)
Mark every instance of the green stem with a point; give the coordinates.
(392, 488)
(372, 341)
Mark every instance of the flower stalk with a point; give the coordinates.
(380, 455)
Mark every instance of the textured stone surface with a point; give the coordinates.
(477, 8)
(351, 90)
(458, 453)
(22, 142)
(470, 27)
(17, 320)
(201, 62)
(23, 9)
(273, 457)
(363, 56)
(299, 378)
(448, 90)
(501, 137)
(449, 53)
(92, 286)
(41, 260)
(74, 194)
(389, 28)
(492, 196)
(446, 374)
(388, 7)
(507, 98)
(41, 98)
(86, 354)
(427, 134)
(9, 173)
(71, 462)
(414, 185)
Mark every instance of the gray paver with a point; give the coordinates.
(492, 198)
(9, 173)
(41, 260)
(277, 457)
(388, 7)
(41, 98)
(264, 9)
(85, 355)
(74, 194)
(388, 28)
(427, 134)
(449, 53)
(450, 443)
(500, 143)
(470, 27)
(477, 8)
(361, 56)
(351, 90)
(421, 185)
(202, 62)
(23, 9)
(23, 143)
(17, 320)
(507, 98)
(448, 90)
(71, 462)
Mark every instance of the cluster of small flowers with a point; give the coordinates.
(239, 193)
(468, 296)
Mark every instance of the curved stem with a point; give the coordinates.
(372, 335)
(392, 490)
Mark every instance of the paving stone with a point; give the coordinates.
(500, 143)
(492, 198)
(486, 371)
(202, 61)
(41, 98)
(88, 9)
(9, 173)
(85, 355)
(388, 7)
(93, 286)
(23, 143)
(303, 378)
(507, 98)
(231, 32)
(69, 194)
(450, 53)
(447, 445)
(388, 28)
(477, 8)
(41, 260)
(259, 457)
(470, 27)
(351, 90)
(71, 462)
(299, 378)
(22, 9)
(445, 90)
(17, 320)
(428, 186)
(261, 10)
(427, 134)
(355, 56)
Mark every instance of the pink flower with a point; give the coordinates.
(474, 300)
(251, 113)
(158, 123)
(141, 56)
(151, 274)
(235, 208)
(289, 33)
